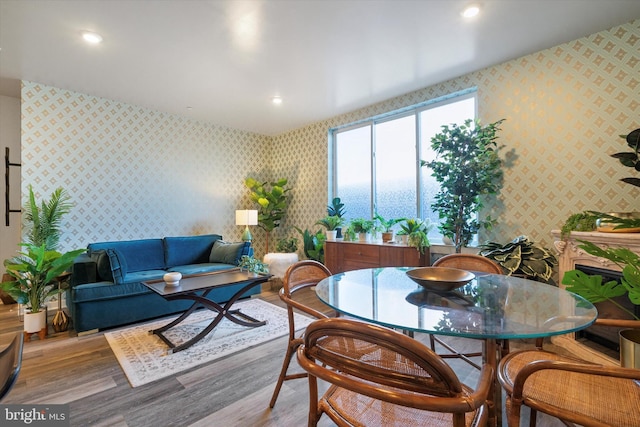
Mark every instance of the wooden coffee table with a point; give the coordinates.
(196, 288)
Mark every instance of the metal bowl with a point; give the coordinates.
(440, 278)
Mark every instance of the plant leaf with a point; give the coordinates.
(591, 287)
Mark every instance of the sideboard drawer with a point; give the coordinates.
(366, 254)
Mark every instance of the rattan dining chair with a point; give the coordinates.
(299, 276)
(380, 377)
(10, 364)
(570, 389)
(470, 262)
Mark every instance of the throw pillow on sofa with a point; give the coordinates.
(228, 253)
(118, 265)
(110, 264)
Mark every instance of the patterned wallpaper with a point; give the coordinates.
(564, 109)
(132, 172)
(138, 173)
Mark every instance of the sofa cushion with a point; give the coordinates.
(206, 267)
(228, 253)
(118, 265)
(103, 265)
(143, 276)
(106, 290)
(138, 255)
(189, 249)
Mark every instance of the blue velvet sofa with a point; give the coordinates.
(105, 286)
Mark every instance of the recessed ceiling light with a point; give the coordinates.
(276, 100)
(471, 11)
(91, 37)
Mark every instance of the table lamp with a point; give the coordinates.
(246, 218)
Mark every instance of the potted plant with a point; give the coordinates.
(34, 272)
(386, 225)
(313, 244)
(331, 223)
(272, 202)
(417, 232)
(592, 289)
(287, 245)
(336, 208)
(363, 228)
(253, 265)
(522, 257)
(468, 168)
(631, 159)
(42, 222)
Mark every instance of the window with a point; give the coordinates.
(376, 163)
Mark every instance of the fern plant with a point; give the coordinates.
(43, 221)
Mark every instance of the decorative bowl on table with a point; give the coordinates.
(440, 278)
(172, 278)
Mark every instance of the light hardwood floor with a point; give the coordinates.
(233, 391)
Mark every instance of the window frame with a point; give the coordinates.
(413, 110)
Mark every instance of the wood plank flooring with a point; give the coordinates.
(233, 391)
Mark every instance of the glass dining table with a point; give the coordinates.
(490, 308)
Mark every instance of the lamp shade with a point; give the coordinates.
(246, 217)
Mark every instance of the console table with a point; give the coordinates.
(346, 256)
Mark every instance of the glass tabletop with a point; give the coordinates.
(489, 306)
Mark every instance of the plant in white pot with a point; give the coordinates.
(331, 223)
(417, 232)
(34, 271)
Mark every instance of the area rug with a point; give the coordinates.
(144, 359)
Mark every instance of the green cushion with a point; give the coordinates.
(227, 252)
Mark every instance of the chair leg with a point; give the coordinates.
(432, 341)
(291, 350)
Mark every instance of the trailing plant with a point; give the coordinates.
(522, 257)
(34, 271)
(469, 169)
(583, 221)
(272, 202)
(43, 221)
(313, 244)
(336, 208)
(287, 245)
(330, 222)
(592, 288)
(253, 265)
(631, 159)
(417, 232)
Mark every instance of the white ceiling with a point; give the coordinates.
(226, 59)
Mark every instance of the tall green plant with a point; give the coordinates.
(271, 198)
(468, 168)
(33, 272)
(43, 221)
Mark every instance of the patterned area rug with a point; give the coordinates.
(143, 356)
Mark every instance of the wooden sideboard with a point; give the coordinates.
(346, 256)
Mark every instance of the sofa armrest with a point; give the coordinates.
(84, 270)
